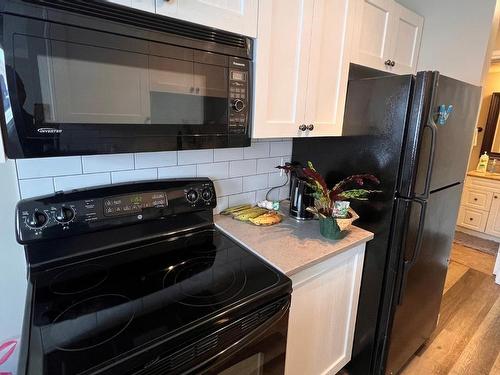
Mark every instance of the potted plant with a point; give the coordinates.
(331, 206)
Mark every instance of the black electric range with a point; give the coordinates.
(135, 279)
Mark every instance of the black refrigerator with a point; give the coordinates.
(403, 130)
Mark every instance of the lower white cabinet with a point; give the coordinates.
(323, 314)
(480, 207)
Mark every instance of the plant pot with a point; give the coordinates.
(329, 228)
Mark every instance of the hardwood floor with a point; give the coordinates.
(467, 338)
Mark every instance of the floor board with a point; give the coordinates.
(467, 337)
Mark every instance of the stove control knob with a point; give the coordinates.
(65, 214)
(192, 196)
(206, 194)
(238, 105)
(37, 219)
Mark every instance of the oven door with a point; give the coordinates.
(75, 90)
(262, 353)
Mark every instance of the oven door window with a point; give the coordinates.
(90, 80)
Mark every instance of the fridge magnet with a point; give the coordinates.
(443, 114)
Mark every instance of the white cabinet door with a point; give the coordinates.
(146, 5)
(281, 67)
(167, 7)
(405, 43)
(237, 16)
(329, 66)
(323, 315)
(372, 40)
(471, 218)
(493, 224)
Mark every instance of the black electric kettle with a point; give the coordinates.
(300, 198)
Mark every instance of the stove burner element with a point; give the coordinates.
(91, 322)
(203, 283)
(78, 279)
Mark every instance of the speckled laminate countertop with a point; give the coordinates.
(291, 246)
(491, 176)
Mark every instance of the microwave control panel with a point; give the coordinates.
(239, 101)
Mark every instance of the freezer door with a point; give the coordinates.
(452, 135)
(422, 274)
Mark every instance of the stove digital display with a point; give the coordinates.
(134, 203)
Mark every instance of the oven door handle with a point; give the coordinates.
(220, 357)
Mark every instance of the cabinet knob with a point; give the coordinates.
(310, 127)
(496, 197)
(388, 62)
(475, 199)
(393, 63)
(471, 219)
(303, 127)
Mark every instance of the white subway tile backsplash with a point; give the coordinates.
(268, 165)
(135, 175)
(177, 172)
(195, 157)
(239, 168)
(107, 163)
(155, 159)
(276, 180)
(241, 175)
(256, 150)
(215, 171)
(226, 154)
(243, 198)
(49, 167)
(229, 186)
(222, 204)
(255, 182)
(81, 181)
(260, 195)
(34, 187)
(281, 148)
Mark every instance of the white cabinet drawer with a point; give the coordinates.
(479, 199)
(472, 218)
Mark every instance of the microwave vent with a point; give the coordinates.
(142, 19)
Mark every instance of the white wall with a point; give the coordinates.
(12, 263)
(455, 36)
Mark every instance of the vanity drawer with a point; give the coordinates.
(479, 199)
(472, 218)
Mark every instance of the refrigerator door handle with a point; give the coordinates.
(408, 264)
(431, 124)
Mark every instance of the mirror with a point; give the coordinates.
(491, 140)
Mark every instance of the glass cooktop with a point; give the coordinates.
(89, 314)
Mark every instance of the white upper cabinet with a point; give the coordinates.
(405, 43)
(237, 16)
(146, 5)
(301, 67)
(387, 36)
(328, 66)
(281, 67)
(371, 44)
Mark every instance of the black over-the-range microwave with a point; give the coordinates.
(92, 77)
